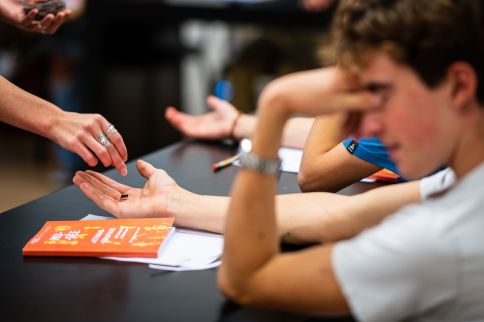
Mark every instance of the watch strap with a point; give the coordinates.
(251, 161)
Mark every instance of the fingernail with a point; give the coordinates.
(124, 171)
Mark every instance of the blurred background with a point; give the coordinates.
(130, 59)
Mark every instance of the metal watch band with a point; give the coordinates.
(251, 161)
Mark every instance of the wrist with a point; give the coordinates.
(245, 126)
(267, 166)
(49, 123)
(174, 202)
(267, 137)
(234, 125)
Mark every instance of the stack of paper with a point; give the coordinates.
(183, 250)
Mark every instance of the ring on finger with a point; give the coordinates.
(103, 139)
(111, 129)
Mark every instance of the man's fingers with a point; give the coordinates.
(101, 187)
(354, 101)
(184, 123)
(99, 199)
(108, 181)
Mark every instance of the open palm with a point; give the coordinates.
(149, 201)
(216, 124)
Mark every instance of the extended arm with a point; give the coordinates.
(224, 121)
(301, 218)
(73, 131)
(296, 91)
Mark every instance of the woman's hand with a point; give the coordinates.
(92, 137)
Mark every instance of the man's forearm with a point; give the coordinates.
(327, 217)
(250, 228)
(198, 211)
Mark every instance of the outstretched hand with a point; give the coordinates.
(12, 11)
(217, 124)
(150, 201)
(81, 134)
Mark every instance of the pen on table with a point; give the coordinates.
(224, 163)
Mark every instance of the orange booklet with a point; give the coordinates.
(138, 237)
(385, 175)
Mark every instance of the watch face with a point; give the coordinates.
(246, 145)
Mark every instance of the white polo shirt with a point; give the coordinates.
(425, 262)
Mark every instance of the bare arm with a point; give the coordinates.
(301, 218)
(326, 165)
(252, 264)
(73, 131)
(327, 217)
(224, 121)
(25, 111)
(332, 170)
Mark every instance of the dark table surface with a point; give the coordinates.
(90, 289)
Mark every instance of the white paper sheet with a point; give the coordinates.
(182, 250)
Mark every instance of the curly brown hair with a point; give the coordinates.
(427, 35)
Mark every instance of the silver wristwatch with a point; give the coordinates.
(251, 161)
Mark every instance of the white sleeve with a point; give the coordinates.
(437, 182)
(395, 270)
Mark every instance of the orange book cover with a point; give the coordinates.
(385, 176)
(137, 237)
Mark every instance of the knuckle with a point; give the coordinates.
(79, 136)
(72, 141)
(98, 118)
(88, 126)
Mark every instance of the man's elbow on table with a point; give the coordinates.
(238, 290)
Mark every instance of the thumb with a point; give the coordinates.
(145, 169)
(221, 106)
(214, 102)
(170, 111)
